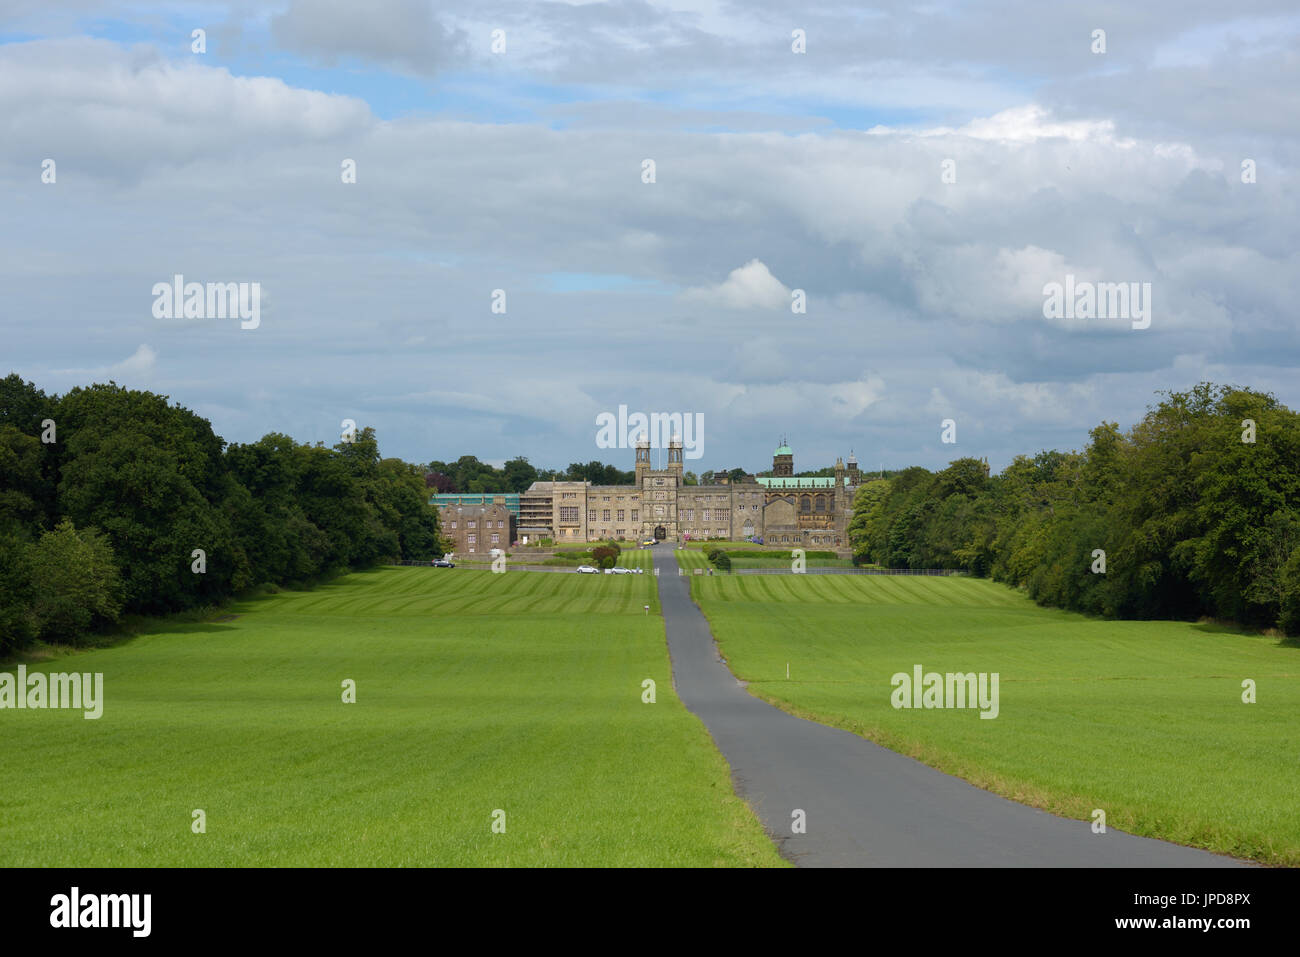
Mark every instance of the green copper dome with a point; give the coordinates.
(784, 450)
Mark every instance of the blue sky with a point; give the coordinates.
(824, 174)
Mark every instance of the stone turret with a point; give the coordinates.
(642, 459)
(675, 463)
(783, 460)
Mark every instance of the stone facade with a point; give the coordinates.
(781, 510)
(477, 529)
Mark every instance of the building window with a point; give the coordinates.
(659, 481)
(690, 515)
(705, 516)
(605, 499)
(471, 538)
(605, 515)
(621, 513)
(453, 524)
(471, 524)
(635, 512)
(496, 539)
(591, 514)
(569, 514)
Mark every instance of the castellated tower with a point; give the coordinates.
(675, 458)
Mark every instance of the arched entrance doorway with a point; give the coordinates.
(660, 533)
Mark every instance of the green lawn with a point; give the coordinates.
(631, 557)
(1141, 719)
(692, 558)
(784, 561)
(749, 555)
(475, 692)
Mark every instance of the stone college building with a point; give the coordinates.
(780, 509)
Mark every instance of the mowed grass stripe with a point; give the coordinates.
(1142, 719)
(460, 711)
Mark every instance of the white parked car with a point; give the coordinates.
(587, 570)
(621, 571)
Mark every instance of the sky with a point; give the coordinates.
(505, 270)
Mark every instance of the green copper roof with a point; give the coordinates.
(440, 499)
(783, 482)
(784, 450)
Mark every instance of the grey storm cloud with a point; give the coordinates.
(400, 34)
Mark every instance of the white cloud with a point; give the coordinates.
(138, 363)
(134, 369)
(109, 111)
(1025, 124)
(751, 286)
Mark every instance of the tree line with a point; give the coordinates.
(115, 501)
(468, 474)
(1193, 512)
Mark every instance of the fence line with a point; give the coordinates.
(510, 566)
(939, 572)
(706, 570)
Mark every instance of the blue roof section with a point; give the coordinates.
(783, 482)
(511, 499)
